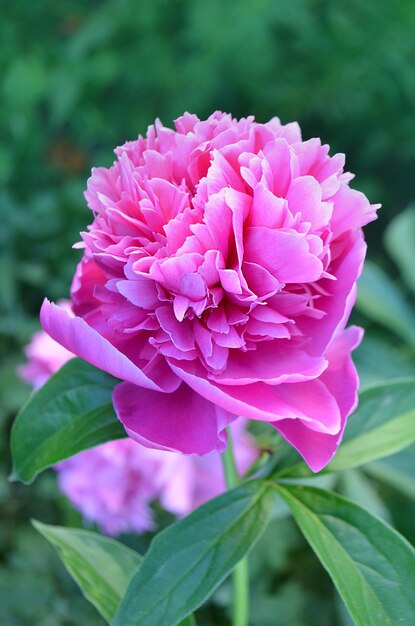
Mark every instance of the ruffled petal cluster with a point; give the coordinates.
(115, 484)
(217, 278)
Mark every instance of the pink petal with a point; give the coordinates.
(76, 336)
(281, 162)
(342, 381)
(273, 362)
(309, 401)
(259, 280)
(182, 421)
(87, 276)
(341, 294)
(304, 196)
(140, 292)
(285, 254)
(351, 210)
(267, 210)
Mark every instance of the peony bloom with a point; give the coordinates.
(114, 484)
(217, 278)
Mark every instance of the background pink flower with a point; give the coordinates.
(217, 279)
(114, 484)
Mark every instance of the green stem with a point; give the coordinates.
(240, 574)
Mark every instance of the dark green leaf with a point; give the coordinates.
(70, 413)
(102, 567)
(371, 565)
(188, 560)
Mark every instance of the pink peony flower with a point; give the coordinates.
(115, 483)
(218, 276)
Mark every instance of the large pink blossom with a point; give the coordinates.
(114, 484)
(217, 278)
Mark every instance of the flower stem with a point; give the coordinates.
(240, 574)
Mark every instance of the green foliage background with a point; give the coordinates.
(79, 78)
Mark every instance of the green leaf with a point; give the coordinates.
(378, 360)
(354, 484)
(397, 471)
(71, 412)
(400, 243)
(381, 300)
(383, 424)
(102, 567)
(188, 560)
(371, 565)
(188, 621)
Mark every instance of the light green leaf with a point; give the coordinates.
(398, 471)
(400, 243)
(371, 565)
(381, 300)
(383, 424)
(354, 484)
(188, 560)
(190, 620)
(378, 359)
(70, 413)
(102, 567)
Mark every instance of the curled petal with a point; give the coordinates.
(76, 336)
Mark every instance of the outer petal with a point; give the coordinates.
(76, 336)
(351, 210)
(310, 401)
(342, 381)
(341, 294)
(182, 421)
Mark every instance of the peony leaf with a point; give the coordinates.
(188, 560)
(70, 413)
(383, 424)
(357, 486)
(400, 243)
(380, 298)
(378, 359)
(371, 565)
(102, 567)
(396, 471)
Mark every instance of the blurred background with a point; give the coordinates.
(79, 78)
